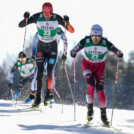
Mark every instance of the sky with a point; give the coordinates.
(53, 121)
(115, 17)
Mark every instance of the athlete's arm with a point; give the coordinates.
(32, 19)
(34, 44)
(12, 73)
(79, 46)
(64, 38)
(66, 26)
(112, 48)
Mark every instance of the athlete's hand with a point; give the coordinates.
(64, 58)
(26, 15)
(33, 56)
(9, 85)
(66, 18)
(73, 54)
(119, 54)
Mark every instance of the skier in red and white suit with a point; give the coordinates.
(93, 65)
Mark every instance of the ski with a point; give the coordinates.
(31, 108)
(109, 126)
(91, 124)
(88, 124)
(114, 128)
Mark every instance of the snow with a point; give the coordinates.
(53, 121)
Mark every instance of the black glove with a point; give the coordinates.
(9, 85)
(33, 56)
(119, 54)
(66, 18)
(73, 54)
(64, 58)
(26, 15)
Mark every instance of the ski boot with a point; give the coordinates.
(37, 101)
(31, 97)
(90, 113)
(16, 95)
(48, 97)
(104, 117)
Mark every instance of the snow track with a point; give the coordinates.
(52, 121)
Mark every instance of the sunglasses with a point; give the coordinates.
(47, 14)
(22, 59)
(98, 36)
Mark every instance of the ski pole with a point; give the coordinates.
(70, 90)
(63, 88)
(114, 95)
(74, 91)
(69, 83)
(57, 94)
(23, 51)
(63, 73)
(25, 34)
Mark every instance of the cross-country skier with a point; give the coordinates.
(60, 35)
(27, 71)
(93, 66)
(47, 24)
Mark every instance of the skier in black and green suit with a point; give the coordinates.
(47, 24)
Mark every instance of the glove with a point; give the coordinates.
(119, 54)
(33, 56)
(66, 18)
(64, 58)
(73, 54)
(26, 15)
(10, 85)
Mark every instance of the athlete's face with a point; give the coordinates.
(47, 15)
(96, 39)
(22, 60)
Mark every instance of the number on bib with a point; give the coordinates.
(47, 32)
(94, 57)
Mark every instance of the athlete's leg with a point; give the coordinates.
(33, 82)
(33, 87)
(89, 77)
(100, 77)
(40, 58)
(52, 58)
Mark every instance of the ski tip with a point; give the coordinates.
(88, 124)
(30, 108)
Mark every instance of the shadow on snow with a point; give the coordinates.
(69, 128)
